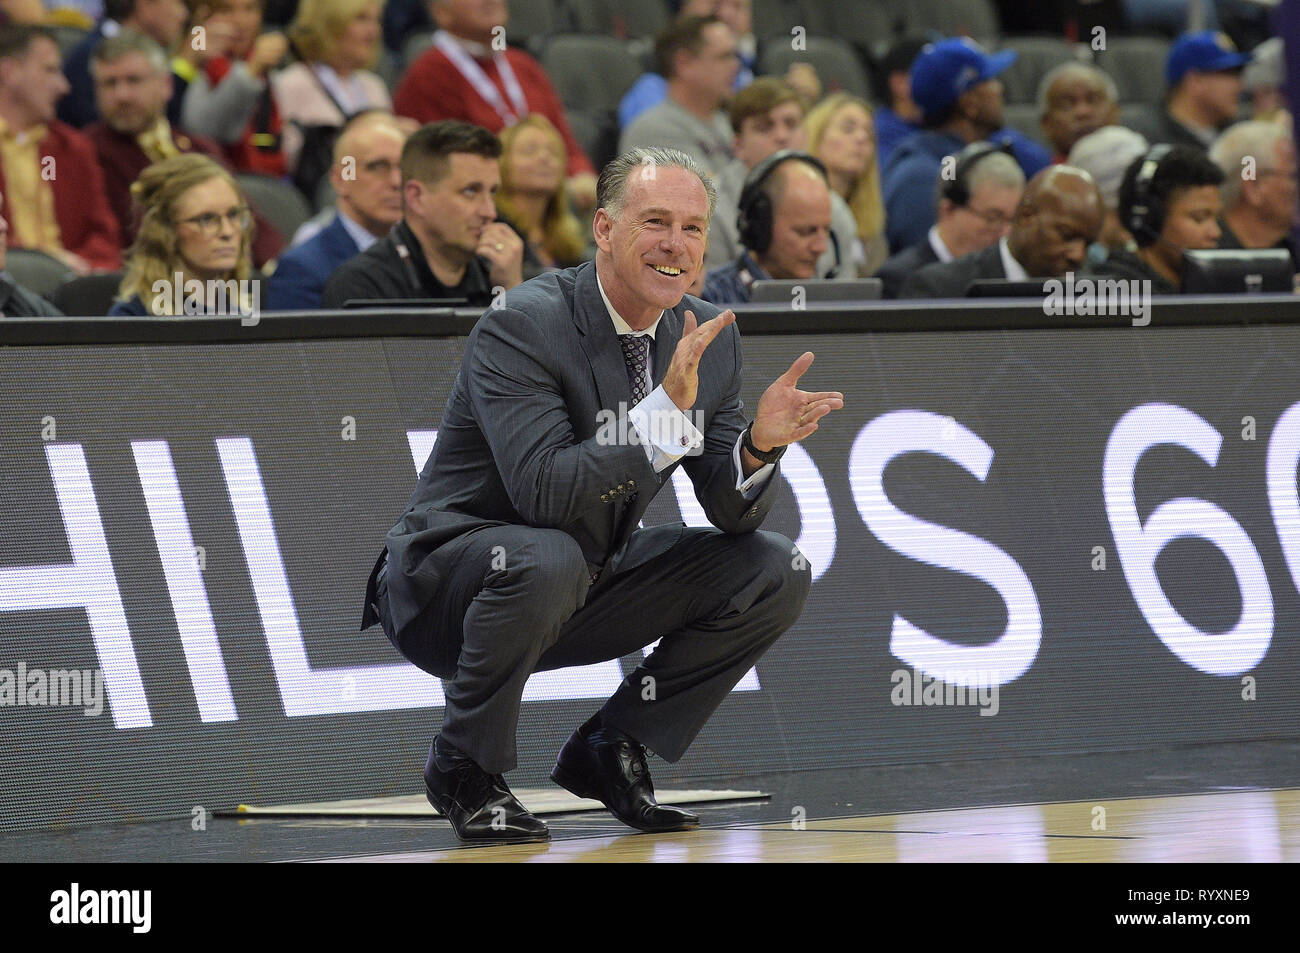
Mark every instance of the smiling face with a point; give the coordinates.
(648, 257)
(209, 253)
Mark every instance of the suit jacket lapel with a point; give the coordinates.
(599, 342)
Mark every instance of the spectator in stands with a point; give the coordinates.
(196, 226)
(1261, 199)
(840, 133)
(338, 41)
(48, 170)
(954, 83)
(786, 227)
(900, 116)
(1075, 99)
(975, 209)
(449, 243)
(768, 116)
(465, 76)
(1105, 155)
(1262, 80)
(1059, 215)
(22, 11)
(1178, 187)
(698, 56)
(15, 300)
(162, 20)
(230, 98)
(133, 84)
(533, 197)
(369, 151)
(1204, 76)
(651, 89)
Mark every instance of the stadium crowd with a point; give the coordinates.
(357, 150)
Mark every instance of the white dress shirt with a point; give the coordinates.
(666, 433)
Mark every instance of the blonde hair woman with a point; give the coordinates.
(337, 42)
(840, 133)
(533, 196)
(195, 234)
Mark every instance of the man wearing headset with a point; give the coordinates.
(784, 222)
(975, 207)
(1170, 201)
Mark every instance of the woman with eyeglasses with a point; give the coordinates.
(191, 255)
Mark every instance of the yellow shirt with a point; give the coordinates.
(156, 141)
(29, 196)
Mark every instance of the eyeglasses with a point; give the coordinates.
(209, 223)
(992, 218)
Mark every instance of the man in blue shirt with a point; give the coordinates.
(954, 83)
(367, 178)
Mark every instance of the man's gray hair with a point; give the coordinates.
(611, 188)
(1075, 71)
(996, 167)
(1254, 139)
(127, 42)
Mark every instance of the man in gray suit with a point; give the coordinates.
(520, 549)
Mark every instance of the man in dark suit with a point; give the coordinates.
(367, 179)
(974, 209)
(519, 550)
(1058, 217)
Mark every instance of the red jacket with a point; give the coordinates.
(433, 89)
(122, 160)
(86, 223)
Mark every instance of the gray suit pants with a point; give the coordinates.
(518, 599)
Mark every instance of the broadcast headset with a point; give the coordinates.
(1146, 217)
(754, 211)
(957, 189)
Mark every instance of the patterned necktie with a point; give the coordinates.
(636, 353)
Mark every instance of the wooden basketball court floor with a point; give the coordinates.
(1225, 826)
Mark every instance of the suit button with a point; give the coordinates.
(604, 497)
(622, 488)
(631, 484)
(752, 513)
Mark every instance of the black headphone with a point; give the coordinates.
(956, 190)
(1146, 215)
(754, 212)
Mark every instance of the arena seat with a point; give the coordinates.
(1137, 64)
(35, 270)
(776, 18)
(1037, 56)
(590, 73)
(835, 60)
(87, 295)
(870, 25)
(620, 19)
(282, 204)
(973, 18)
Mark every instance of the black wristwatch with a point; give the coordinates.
(770, 456)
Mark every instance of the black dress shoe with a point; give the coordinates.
(609, 767)
(479, 805)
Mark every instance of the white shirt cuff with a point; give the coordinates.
(666, 433)
(750, 488)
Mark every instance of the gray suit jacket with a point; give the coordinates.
(518, 442)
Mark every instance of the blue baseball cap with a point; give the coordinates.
(948, 68)
(1206, 52)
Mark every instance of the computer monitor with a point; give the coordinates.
(1232, 271)
(1005, 288)
(782, 290)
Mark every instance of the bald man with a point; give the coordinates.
(367, 178)
(1074, 100)
(1059, 215)
(799, 231)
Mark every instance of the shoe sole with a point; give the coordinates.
(575, 787)
(483, 841)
